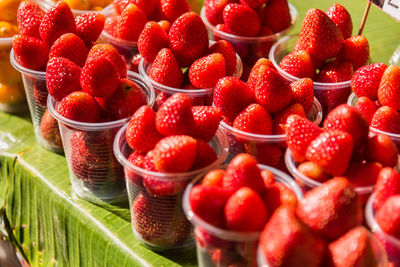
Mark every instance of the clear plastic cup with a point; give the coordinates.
(250, 49)
(155, 198)
(221, 247)
(330, 95)
(390, 243)
(46, 131)
(46, 5)
(95, 173)
(267, 149)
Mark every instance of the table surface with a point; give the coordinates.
(54, 228)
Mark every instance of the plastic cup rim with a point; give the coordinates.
(34, 73)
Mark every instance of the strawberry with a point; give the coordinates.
(188, 38)
(303, 93)
(205, 155)
(239, 211)
(278, 194)
(110, 25)
(165, 25)
(172, 9)
(206, 121)
(386, 119)
(355, 248)
(175, 116)
(286, 241)
(299, 134)
(151, 40)
(231, 96)
(235, 14)
(265, 153)
(89, 26)
(147, 6)
(79, 106)
(331, 209)
(214, 178)
(362, 174)
(57, 21)
(341, 17)
(299, 64)
(71, 47)
(279, 123)
(366, 107)
(49, 130)
(254, 119)
(389, 88)
(208, 203)
(387, 185)
(109, 51)
(313, 171)
(137, 159)
(160, 188)
(388, 216)
(335, 72)
(131, 23)
(268, 177)
(229, 53)
(40, 92)
(253, 3)
(319, 35)
(243, 171)
(175, 153)
(165, 69)
(30, 52)
(275, 15)
(382, 149)
(29, 17)
(126, 99)
(62, 77)
(213, 10)
(99, 77)
(365, 81)
(356, 51)
(257, 70)
(206, 71)
(262, 48)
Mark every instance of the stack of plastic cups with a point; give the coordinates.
(221, 247)
(155, 198)
(330, 95)
(95, 173)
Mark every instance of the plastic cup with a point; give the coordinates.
(46, 5)
(155, 198)
(330, 95)
(95, 173)
(267, 149)
(221, 247)
(389, 242)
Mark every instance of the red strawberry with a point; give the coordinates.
(279, 123)
(165, 69)
(332, 150)
(235, 14)
(286, 241)
(62, 77)
(172, 9)
(49, 130)
(299, 134)
(30, 52)
(206, 71)
(79, 106)
(239, 211)
(331, 209)
(335, 72)
(99, 77)
(362, 174)
(275, 15)
(319, 36)
(313, 171)
(175, 116)
(222, 28)
(208, 203)
(126, 99)
(160, 188)
(110, 25)
(165, 25)
(341, 17)
(147, 6)
(214, 178)
(137, 159)
(151, 40)
(386, 119)
(366, 80)
(254, 119)
(71, 47)
(243, 171)
(131, 23)
(355, 248)
(175, 153)
(109, 51)
(205, 155)
(356, 51)
(257, 70)
(366, 107)
(382, 149)
(299, 64)
(262, 48)
(388, 216)
(389, 88)
(188, 38)
(57, 21)
(231, 96)
(253, 3)
(89, 26)
(278, 194)
(206, 121)
(303, 93)
(229, 53)
(213, 10)
(265, 153)
(268, 177)
(40, 92)
(29, 17)
(387, 185)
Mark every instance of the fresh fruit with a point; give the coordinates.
(253, 3)
(110, 25)
(335, 72)
(29, 17)
(386, 119)
(366, 107)
(206, 71)
(265, 153)
(131, 23)
(257, 70)
(9, 10)
(341, 17)
(235, 14)
(151, 40)
(8, 30)
(165, 69)
(279, 123)
(30, 52)
(205, 155)
(206, 121)
(362, 174)
(147, 6)
(214, 178)
(382, 149)
(276, 15)
(72, 105)
(387, 185)
(229, 53)
(89, 26)
(172, 9)
(254, 119)
(109, 51)
(313, 171)
(49, 129)
(277, 194)
(389, 88)
(388, 216)
(71, 47)
(366, 80)
(299, 64)
(213, 10)
(356, 51)
(303, 93)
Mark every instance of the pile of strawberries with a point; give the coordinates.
(240, 198)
